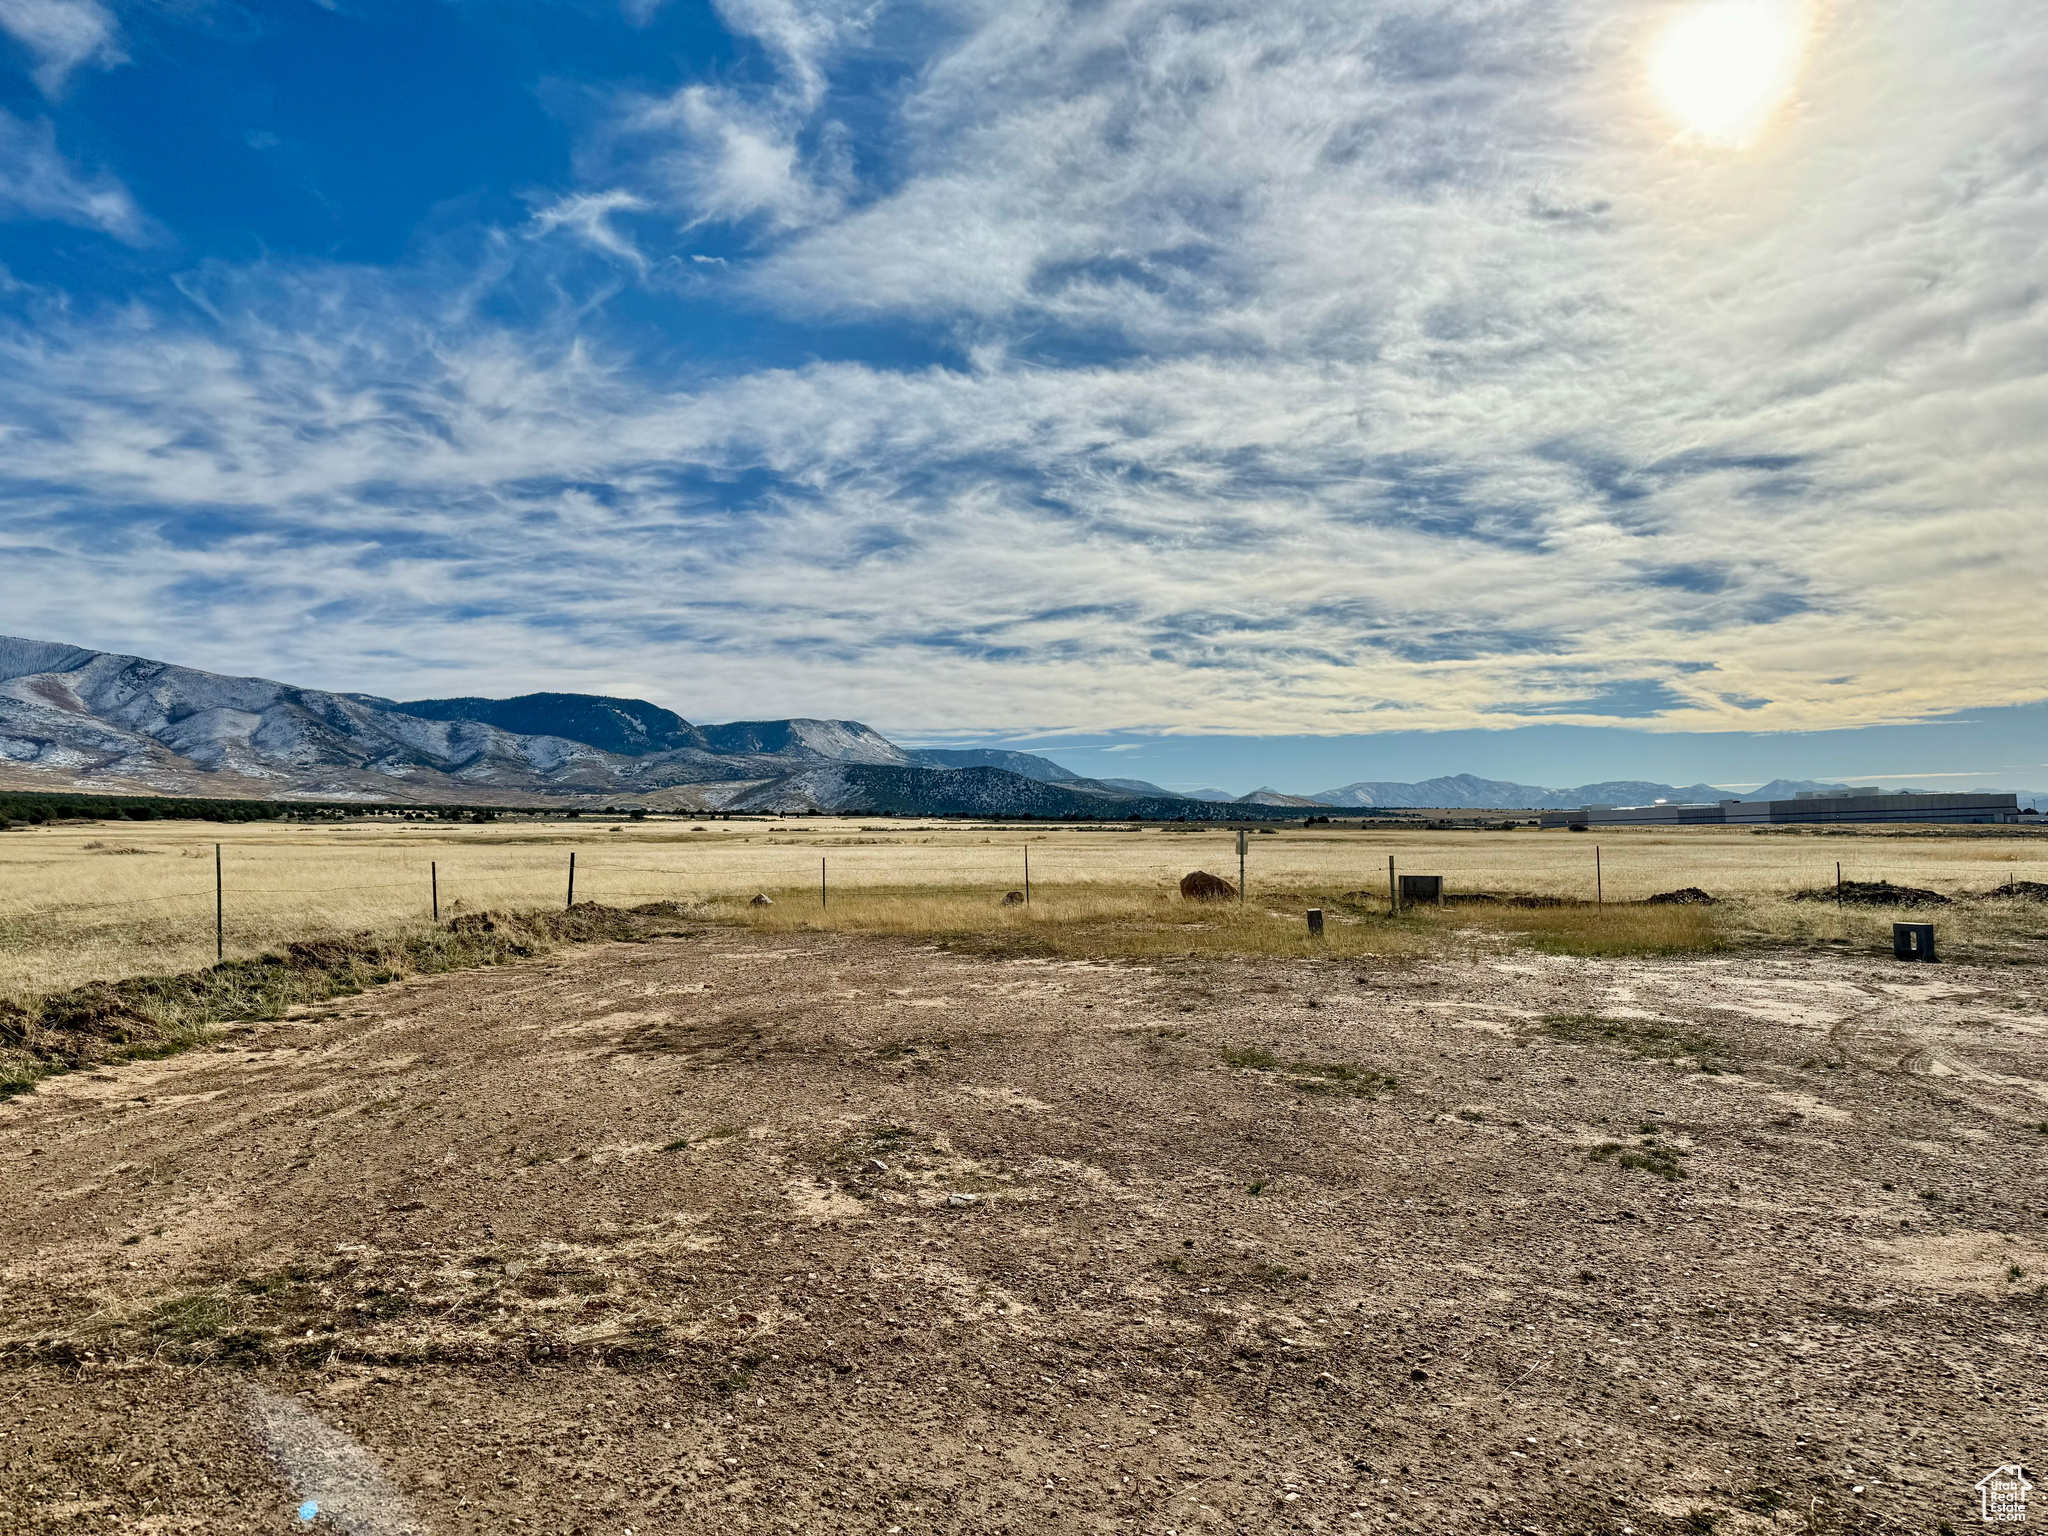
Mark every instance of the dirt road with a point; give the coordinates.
(722, 1232)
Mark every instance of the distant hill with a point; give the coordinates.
(1468, 792)
(97, 722)
(629, 727)
(1266, 796)
(1147, 787)
(73, 719)
(865, 789)
(1030, 764)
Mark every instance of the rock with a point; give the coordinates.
(960, 1201)
(874, 1165)
(1203, 886)
(761, 901)
(1013, 898)
(1686, 896)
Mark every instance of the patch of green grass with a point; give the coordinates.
(1471, 1115)
(1256, 1188)
(1331, 1077)
(1582, 928)
(1267, 1273)
(896, 1050)
(2014, 1273)
(1646, 1038)
(277, 1280)
(680, 1144)
(1648, 1155)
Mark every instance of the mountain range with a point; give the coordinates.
(77, 719)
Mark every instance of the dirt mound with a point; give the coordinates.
(1203, 886)
(1873, 893)
(660, 909)
(1684, 896)
(2021, 890)
(90, 1024)
(522, 932)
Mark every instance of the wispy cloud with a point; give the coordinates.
(62, 35)
(1307, 367)
(37, 183)
(588, 215)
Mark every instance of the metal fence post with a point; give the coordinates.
(220, 940)
(572, 880)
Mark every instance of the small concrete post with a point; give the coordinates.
(1315, 922)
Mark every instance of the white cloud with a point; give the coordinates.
(588, 215)
(1335, 369)
(36, 183)
(63, 34)
(723, 158)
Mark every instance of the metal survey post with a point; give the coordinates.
(220, 936)
(1240, 866)
(434, 876)
(572, 883)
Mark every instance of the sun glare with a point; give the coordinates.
(1724, 67)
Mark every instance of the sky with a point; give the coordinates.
(1259, 391)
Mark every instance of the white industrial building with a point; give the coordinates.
(1857, 805)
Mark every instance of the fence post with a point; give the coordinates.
(1393, 895)
(572, 880)
(1240, 866)
(1838, 882)
(434, 874)
(220, 939)
(1599, 888)
(821, 883)
(1027, 874)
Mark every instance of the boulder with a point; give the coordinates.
(761, 901)
(1013, 898)
(1203, 886)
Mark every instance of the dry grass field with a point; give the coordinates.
(82, 902)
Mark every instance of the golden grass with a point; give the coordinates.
(1093, 921)
(96, 901)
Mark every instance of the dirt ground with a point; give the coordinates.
(724, 1231)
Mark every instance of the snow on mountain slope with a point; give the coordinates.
(838, 741)
(91, 718)
(1030, 764)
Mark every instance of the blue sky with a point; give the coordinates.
(1286, 391)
